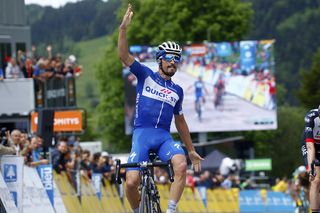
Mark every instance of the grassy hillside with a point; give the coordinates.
(91, 53)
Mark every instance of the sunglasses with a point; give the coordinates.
(170, 57)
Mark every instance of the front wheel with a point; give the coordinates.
(144, 206)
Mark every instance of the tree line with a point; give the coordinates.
(294, 25)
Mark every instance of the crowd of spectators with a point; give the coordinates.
(41, 68)
(68, 156)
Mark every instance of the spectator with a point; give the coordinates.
(16, 140)
(217, 179)
(101, 165)
(190, 179)
(29, 68)
(59, 157)
(24, 141)
(85, 168)
(227, 183)
(206, 180)
(13, 70)
(21, 61)
(67, 68)
(281, 185)
(40, 69)
(32, 154)
(6, 145)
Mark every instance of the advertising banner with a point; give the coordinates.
(35, 198)
(6, 199)
(248, 55)
(58, 202)
(228, 86)
(64, 121)
(46, 176)
(12, 173)
(258, 165)
(256, 201)
(96, 181)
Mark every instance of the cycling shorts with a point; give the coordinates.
(159, 141)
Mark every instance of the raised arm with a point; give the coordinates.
(123, 51)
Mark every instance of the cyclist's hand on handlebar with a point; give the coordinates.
(127, 17)
(196, 160)
(311, 177)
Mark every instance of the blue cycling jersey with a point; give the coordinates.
(198, 89)
(157, 99)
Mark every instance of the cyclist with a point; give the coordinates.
(310, 147)
(158, 99)
(199, 87)
(218, 90)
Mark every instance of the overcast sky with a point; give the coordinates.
(53, 3)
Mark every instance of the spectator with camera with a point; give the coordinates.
(32, 154)
(6, 146)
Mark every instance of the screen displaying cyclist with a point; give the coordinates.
(310, 147)
(158, 100)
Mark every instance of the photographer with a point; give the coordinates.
(6, 147)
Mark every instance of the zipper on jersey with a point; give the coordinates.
(165, 86)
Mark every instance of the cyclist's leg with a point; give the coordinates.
(173, 150)
(315, 186)
(139, 152)
(196, 103)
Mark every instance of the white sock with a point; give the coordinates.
(172, 205)
(136, 210)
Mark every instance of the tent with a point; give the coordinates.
(213, 160)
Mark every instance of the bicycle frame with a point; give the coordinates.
(150, 199)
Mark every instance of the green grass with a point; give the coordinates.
(91, 53)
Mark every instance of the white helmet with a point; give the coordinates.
(168, 47)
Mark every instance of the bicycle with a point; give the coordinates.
(150, 198)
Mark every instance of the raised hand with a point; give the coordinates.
(127, 17)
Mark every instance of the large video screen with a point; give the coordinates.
(228, 86)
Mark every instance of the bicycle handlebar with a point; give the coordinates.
(167, 164)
